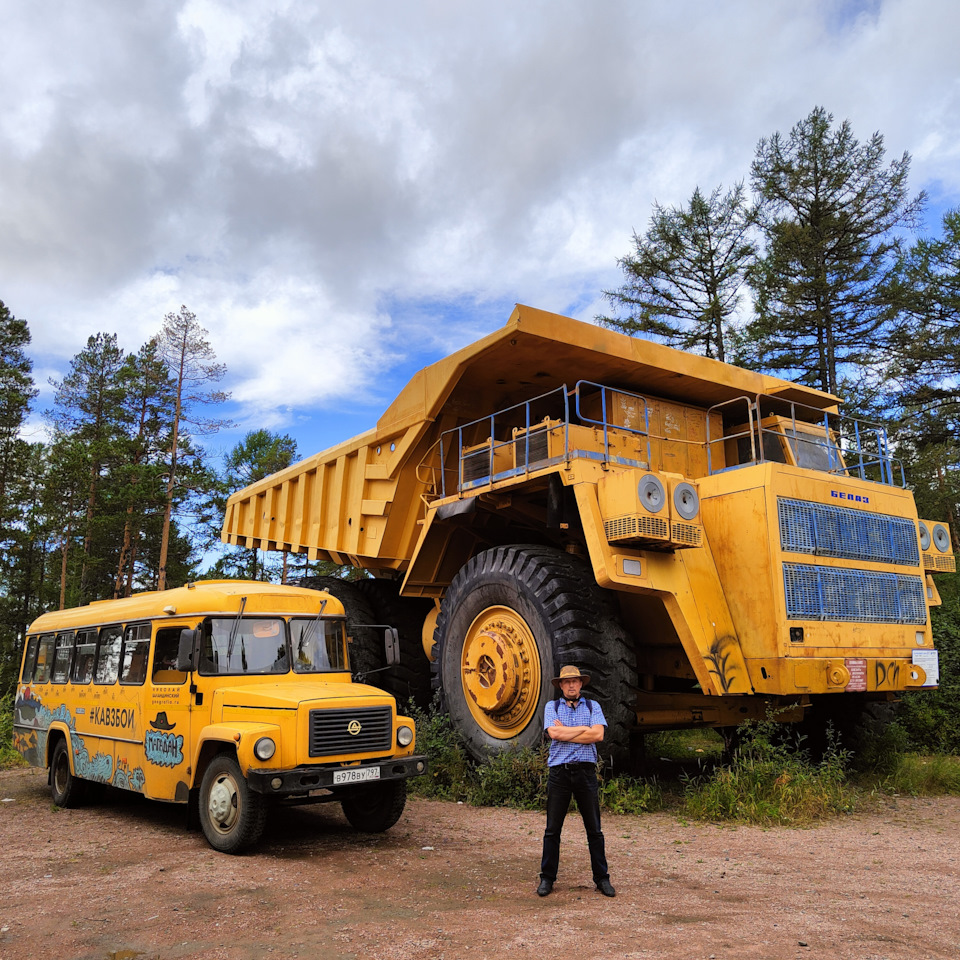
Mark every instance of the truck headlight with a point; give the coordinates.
(941, 539)
(264, 748)
(404, 736)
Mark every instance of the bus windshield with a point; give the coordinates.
(318, 645)
(250, 645)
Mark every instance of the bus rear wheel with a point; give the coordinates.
(66, 789)
(231, 814)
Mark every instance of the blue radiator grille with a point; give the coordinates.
(831, 593)
(829, 531)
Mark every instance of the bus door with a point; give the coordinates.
(167, 707)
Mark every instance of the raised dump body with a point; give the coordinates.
(710, 543)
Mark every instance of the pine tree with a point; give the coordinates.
(148, 397)
(926, 345)
(17, 551)
(260, 454)
(193, 366)
(16, 393)
(832, 214)
(88, 421)
(683, 279)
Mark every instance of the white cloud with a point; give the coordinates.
(338, 190)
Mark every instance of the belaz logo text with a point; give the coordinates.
(856, 497)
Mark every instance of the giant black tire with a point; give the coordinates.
(377, 807)
(231, 814)
(66, 789)
(858, 724)
(410, 679)
(552, 595)
(367, 655)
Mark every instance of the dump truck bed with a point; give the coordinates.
(359, 502)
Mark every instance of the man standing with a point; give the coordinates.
(575, 727)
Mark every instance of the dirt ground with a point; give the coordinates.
(125, 879)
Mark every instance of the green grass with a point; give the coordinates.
(923, 776)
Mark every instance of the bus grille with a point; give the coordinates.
(851, 534)
(861, 596)
(354, 730)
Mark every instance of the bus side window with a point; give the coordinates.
(29, 659)
(62, 657)
(44, 658)
(136, 650)
(108, 655)
(165, 656)
(84, 657)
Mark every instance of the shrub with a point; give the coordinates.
(772, 781)
(9, 757)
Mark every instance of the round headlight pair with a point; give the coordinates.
(651, 493)
(940, 537)
(264, 748)
(404, 736)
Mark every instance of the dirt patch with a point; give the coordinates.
(126, 880)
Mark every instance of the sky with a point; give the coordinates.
(344, 193)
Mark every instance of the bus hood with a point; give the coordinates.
(291, 695)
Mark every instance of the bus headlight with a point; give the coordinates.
(404, 736)
(264, 748)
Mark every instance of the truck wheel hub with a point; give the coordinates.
(500, 668)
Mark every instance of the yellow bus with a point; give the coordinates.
(233, 693)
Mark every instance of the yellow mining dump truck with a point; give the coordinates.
(709, 543)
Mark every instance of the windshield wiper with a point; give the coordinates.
(233, 631)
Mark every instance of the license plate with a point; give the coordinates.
(356, 774)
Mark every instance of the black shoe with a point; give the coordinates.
(606, 888)
(545, 887)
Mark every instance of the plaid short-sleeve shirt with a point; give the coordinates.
(586, 713)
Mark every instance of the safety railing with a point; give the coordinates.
(829, 442)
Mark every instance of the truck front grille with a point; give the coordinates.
(844, 532)
(861, 596)
(352, 730)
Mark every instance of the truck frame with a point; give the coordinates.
(711, 544)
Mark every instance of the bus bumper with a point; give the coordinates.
(316, 781)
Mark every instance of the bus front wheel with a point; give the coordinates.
(66, 789)
(231, 814)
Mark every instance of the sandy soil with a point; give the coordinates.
(125, 879)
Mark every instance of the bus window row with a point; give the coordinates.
(107, 655)
(228, 646)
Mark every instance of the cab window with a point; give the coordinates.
(248, 646)
(317, 645)
(815, 451)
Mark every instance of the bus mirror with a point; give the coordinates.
(185, 651)
(391, 640)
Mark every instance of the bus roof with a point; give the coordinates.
(195, 599)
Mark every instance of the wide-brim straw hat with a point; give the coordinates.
(571, 673)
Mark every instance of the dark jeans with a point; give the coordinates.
(577, 780)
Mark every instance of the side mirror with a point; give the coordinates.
(391, 643)
(188, 639)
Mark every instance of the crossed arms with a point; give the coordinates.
(591, 734)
